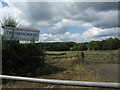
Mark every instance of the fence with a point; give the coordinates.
(64, 55)
(86, 57)
(56, 55)
(64, 82)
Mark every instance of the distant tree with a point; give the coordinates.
(94, 45)
(58, 46)
(9, 22)
(75, 48)
(71, 44)
(112, 43)
(82, 47)
(108, 44)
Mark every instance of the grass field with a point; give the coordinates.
(102, 69)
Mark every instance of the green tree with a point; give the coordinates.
(93, 45)
(9, 22)
(75, 48)
(82, 47)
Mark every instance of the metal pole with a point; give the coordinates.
(64, 82)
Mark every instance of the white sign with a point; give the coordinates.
(11, 33)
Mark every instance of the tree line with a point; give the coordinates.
(108, 44)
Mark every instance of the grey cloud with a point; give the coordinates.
(98, 6)
(114, 34)
(47, 14)
(81, 7)
(107, 20)
(39, 11)
(87, 15)
(35, 11)
(60, 30)
(99, 14)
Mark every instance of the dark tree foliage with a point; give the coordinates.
(108, 44)
(55, 46)
(21, 59)
(75, 48)
(71, 44)
(82, 47)
(9, 22)
(93, 45)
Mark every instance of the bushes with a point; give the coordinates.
(21, 59)
(25, 60)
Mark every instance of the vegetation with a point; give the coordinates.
(19, 59)
(108, 44)
(76, 71)
(9, 22)
(23, 59)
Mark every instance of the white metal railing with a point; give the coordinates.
(64, 82)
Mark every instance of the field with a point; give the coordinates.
(94, 67)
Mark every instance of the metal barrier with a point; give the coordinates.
(64, 82)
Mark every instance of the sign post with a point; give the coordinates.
(20, 34)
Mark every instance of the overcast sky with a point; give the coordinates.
(66, 21)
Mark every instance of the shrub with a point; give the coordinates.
(21, 59)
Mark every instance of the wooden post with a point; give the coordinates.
(82, 56)
(78, 56)
(65, 56)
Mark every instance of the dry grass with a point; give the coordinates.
(74, 71)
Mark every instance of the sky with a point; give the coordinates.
(65, 21)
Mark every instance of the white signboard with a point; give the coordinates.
(11, 33)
